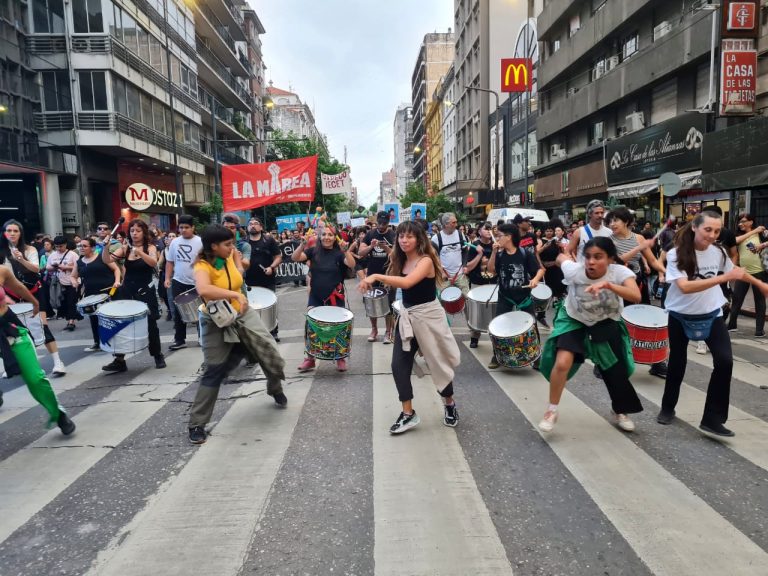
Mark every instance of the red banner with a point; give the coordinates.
(248, 186)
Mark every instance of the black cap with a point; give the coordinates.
(518, 218)
(382, 216)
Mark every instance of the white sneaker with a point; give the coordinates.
(59, 369)
(624, 422)
(701, 347)
(547, 423)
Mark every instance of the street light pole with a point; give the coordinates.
(496, 118)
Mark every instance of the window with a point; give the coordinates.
(56, 96)
(146, 110)
(118, 95)
(93, 90)
(158, 111)
(143, 41)
(134, 103)
(86, 16)
(555, 46)
(129, 33)
(48, 16)
(629, 46)
(596, 133)
(575, 25)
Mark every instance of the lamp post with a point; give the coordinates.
(496, 118)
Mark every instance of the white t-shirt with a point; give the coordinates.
(710, 262)
(584, 237)
(450, 255)
(182, 253)
(588, 308)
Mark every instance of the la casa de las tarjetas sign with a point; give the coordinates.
(142, 197)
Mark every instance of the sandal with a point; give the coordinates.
(373, 336)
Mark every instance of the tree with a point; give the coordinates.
(440, 203)
(414, 192)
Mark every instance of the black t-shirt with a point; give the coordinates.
(515, 270)
(727, 239)
(550, 251)
(528, 242)
(475, 276)
(327, 268)
(378, 258)
(263, 252)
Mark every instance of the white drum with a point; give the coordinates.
(542, 296)
(123, 327)
(32, 323)
(90, 304)
(264, 301)
(514, 339)
(481, 306)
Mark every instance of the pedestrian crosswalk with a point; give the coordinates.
(322, 487)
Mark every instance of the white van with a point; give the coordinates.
(508, 214)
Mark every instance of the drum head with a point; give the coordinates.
(123, 309)
(483, 293)
(376, 293)
(542, 292)
(645, 316)
(259, 297)
(332, 314)
(511, 324)
(21, 308)
(93, 299)
(450, 294)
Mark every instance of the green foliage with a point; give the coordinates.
(414, 192)
(211, 210)
(373, 208)
(440, 203)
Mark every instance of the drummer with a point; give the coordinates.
(589, 325)
(179, 277)
(422, 325)
(97, 277)
(217, 278)
(328, 263)
(518, 272)
(479, 275)
(377, 247)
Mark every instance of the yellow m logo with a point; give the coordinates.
(516, 69)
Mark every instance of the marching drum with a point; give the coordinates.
(188, 305)
(90, 304)
(328, 332)
(264, 301)
(376, 303)
(452, 300)
(23, 311)
(514, 339)
(123, 327)
(648, 333)
(481, 306)
(542, 296)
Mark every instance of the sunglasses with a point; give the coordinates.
(102, 228)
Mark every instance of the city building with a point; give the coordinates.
(291, 116)
(434, 58)
(253, 30)
(623, 91)
(483, 38)
(447, 95)
(388, 186)
(434, 145)
(403, 133)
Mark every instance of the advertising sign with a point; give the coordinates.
(289, 222)
(738, 79)
(516, 74)
(739, 18)
(248, 186)
(141, 197)
(670, 146)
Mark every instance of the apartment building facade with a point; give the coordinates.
(403, 146)
(293, 117)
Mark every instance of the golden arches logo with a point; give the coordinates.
(515, 75)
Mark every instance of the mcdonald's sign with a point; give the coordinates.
(516, 74)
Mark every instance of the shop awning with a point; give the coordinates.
(689, 180)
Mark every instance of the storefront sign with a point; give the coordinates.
(671, 146)
(738, 78)
(739, 18)
(514, 200)
(249, 186)
(143, 197)
(516, 74)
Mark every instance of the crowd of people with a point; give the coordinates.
(699, 270)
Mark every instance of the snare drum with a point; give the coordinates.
(452, 300)
(23, 311)
(514, 339)
(123, 327)
(328, 332)
(481, 306)
(90, 304)
(648, 333)
(188, 306)
(542, 296)
(264, 301)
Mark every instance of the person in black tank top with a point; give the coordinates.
(140, 260)
(414, 267)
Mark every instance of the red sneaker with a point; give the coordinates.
(308, 364)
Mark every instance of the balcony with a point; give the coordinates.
(217, 76)
(226, 11)
(146, 8)
(46, 44)
(209, 25)
(592, 32)
(648, 66)
(54, 121)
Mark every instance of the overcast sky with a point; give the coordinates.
(351, 60)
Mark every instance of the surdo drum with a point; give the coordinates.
(648, 333)
(481, 306)
(23, 311)
(542, 296)
(123, 327)
(514, 339)
(328, 332)
(90, 304)
(264, 301)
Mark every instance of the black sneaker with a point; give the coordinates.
(717, 429)
(665, 416)
(168, 317)
(65, 423)
(1, 397)
(117, 365)
(596, 373)
(473, 342)
(160, 361)
(494, 363)
(94, 348)
(734, 329)
(177, 346)
(759, 334)
(543, 322)
(280, 400)
(197, 435)
(451, 417)
(659, 369)
(536, 365)
(404, 423)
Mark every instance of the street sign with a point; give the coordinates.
(669, 184)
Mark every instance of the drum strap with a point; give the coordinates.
(519, 305)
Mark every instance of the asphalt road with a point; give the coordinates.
(322, 488)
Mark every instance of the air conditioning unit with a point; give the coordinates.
(661, 30)
(557, 151)
(611, 63)
(599, 69)
(635, 121)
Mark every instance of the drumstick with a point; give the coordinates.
(119, 222)
(669, 223)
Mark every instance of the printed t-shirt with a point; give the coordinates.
(589, 309)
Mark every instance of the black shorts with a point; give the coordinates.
(573, 341)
